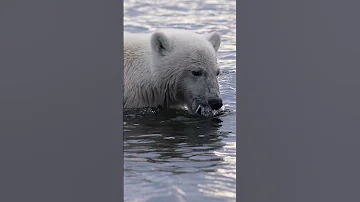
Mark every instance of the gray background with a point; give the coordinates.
(60, 101)
(298, 100)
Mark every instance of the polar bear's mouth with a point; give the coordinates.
(205, 111)
(202, 108)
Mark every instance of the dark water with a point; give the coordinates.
(170, 156)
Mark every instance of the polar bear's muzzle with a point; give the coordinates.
(206, 108)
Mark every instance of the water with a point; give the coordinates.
(170, 156)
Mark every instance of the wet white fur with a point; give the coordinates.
(150, 79)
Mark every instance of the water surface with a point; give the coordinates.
(170, 156)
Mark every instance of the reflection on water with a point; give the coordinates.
(169, 155)
(166, 151)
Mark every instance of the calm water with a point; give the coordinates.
(169, 155)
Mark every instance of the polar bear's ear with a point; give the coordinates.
(214, 39)
(160, 43)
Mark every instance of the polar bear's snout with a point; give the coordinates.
(215, 103)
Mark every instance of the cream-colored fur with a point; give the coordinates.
(158, 66)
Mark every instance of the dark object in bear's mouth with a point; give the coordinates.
(207, 111)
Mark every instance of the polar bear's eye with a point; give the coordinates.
(196, 73)
(217, 72)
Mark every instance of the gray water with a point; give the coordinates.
(170, 156)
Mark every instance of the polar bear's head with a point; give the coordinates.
(185, 64)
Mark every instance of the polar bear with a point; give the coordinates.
(172, 68)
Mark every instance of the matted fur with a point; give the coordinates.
(157, 68)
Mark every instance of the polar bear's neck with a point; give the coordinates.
(143, 86)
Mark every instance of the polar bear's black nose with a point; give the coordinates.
(215, 103)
